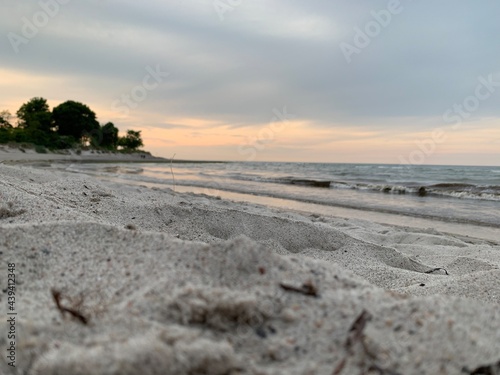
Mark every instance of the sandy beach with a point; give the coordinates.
(118, 279)
(10, 155)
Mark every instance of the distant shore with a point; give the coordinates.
(13, 154)
(16, 155)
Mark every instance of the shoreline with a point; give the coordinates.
(474, 230)
(15, 156)
(485, 232)
(479, 230)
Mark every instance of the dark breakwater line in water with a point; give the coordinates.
(313, 183)
(449, 190)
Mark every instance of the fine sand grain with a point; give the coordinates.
(120, 280)
(19, 155)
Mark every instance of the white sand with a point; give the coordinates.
(10, 154)
(183, 284)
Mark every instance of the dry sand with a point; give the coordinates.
(157, 282)
(14, 154)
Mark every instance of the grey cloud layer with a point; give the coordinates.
(428, 57)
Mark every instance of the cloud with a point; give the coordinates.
(175, 126)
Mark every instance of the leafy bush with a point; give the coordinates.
(40, 149)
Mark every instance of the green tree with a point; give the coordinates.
(75, 119)
(5, 135)
(35, 114)
(5, 127)
(62, 142)
(109, 136)
(5, 118)
(132, 141)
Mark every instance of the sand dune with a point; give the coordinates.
(155, 282)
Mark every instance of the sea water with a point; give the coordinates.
(464, 195)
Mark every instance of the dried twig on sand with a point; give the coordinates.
(357, 328)
(171, 170)
(308, 288)
(74, 312)
(437, 269)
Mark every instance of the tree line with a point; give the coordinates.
(69, 125)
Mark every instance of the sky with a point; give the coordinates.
(366, 81)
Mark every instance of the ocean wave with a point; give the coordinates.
(121, 169)
(369, 183)
(451, 190)
(309, 182)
